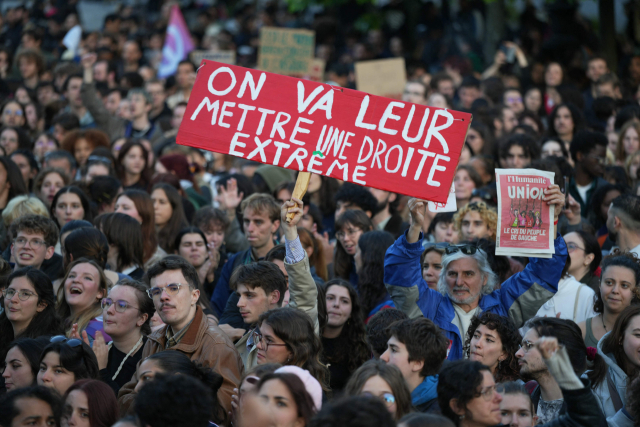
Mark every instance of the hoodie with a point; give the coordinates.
(619, 378)
(425, 397)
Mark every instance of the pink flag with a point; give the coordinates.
(177, 44)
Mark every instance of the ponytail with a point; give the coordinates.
(598, 370)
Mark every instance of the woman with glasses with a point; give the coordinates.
(22, 362)
(586, 256)
(349, 227)
(619, 288)
(286, 336)
(379, 379)
(29, 308)
(493, 341)
(126, 313)
(170, 362)
(79, 297)
(13, 114)
(65, 361)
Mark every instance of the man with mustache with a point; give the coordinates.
(466, 284)
(622, 223)
(173, 284)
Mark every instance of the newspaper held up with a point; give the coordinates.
(525, 220)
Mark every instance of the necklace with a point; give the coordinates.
(132, 351)
(603, 325)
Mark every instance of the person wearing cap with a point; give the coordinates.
(466, 284)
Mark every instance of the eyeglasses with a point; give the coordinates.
(527, 345)
(33, 243)
(73, 342)
(258, 338)
(465, 249)
(487, 393)
(340, 235)
(13, 113)
(99, 159)
(388, 398)
(572, 247)
(120, 305)
(23, 294)
(171, 290)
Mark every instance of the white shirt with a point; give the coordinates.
(582, 190)
(636, 251)
(462, 319)
(574, 301)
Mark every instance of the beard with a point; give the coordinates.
(471, 298)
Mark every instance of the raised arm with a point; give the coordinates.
(402, 270)
(303, 293)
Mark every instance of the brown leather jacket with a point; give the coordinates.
(203, 343)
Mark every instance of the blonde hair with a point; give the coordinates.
(21, 206)
(83, 318)
(633, 123)
(488, 215)
(627, 165)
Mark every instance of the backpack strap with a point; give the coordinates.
(613, 393)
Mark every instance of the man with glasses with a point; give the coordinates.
(589, 152)
(173, 284)
(418, 348)
(34, 241)
(466, 284)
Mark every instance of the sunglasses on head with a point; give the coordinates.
(73, 342)
(467, 249)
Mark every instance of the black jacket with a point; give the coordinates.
(580, 408)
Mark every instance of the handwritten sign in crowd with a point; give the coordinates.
(286, 51)
(307, 126)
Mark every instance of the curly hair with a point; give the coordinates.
(627, 260)
(461, 380)
(488, 215)
(295, 328)
(510, 338)
(352, 342)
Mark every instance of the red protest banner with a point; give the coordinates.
(307, 126)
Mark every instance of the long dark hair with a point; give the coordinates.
(144, 206)
(46, 322)
(174, 362)
(373, 246)
(103, 406)
(31, 349)
(342, 261)
(86, 206)
(352, 347)
(167, 234)
(86, 242)
(612, 343)
(295, 328)
(327, 192)
(125, 233)
(508, 369)
(591, 246)
(145, 176)
(594, 214)
(570, 336)
(14, 178)
(576, 116)
(619, 259)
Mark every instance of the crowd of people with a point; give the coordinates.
(150, 284)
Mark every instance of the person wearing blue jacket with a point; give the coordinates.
(466, 284)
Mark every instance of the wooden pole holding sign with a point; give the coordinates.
(302, 183)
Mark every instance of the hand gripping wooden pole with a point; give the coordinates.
(302, 183)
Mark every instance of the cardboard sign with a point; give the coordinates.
(286, 51)
(306, 126)
(525, 221)
(384, 77)
(224, 56)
